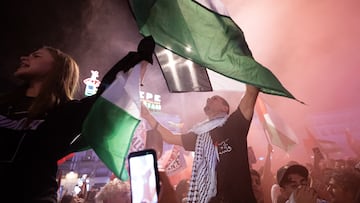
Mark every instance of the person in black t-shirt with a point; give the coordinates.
(220, 169)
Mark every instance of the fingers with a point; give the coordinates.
(307, 190)
(305, 194)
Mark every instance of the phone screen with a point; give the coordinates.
(144, 177)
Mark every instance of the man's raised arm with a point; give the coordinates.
(166, 134)
(247, 102)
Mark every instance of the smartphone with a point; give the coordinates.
(144, 176)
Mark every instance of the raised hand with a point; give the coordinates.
(304, 194)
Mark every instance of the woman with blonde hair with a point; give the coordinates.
(37, 123)
(40, 120)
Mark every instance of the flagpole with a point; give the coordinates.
(266, 135)
(259, 110)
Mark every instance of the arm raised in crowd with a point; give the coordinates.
(166, 134)
(247, 102)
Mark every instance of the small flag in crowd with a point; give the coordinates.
(278, 132)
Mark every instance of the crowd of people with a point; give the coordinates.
(37, 124)
(328, 181)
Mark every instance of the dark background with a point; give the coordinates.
(96, 33)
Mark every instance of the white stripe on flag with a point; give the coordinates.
(273, 120)
(215, 5)
(124, 93)
(222, 83)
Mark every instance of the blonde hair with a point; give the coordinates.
(113, 191)
(60, 86)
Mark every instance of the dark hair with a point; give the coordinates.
(348, 179)
(67, 199)
(285, 171)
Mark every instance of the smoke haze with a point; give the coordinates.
(309, 45)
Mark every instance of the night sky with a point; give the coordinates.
(96, 33)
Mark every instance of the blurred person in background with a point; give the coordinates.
(115, 191)
(344, 186)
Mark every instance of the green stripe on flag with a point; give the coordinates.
(209, 39)
(109, 130)
(112, 121)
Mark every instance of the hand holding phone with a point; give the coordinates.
(144, 176)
